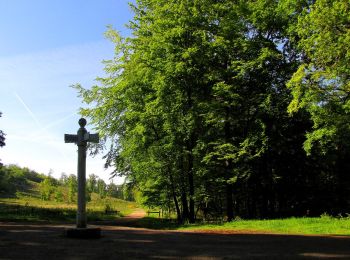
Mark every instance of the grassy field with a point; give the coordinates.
(324, 225)
(29, 208)
(25, 203)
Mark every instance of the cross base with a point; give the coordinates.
(83, 233)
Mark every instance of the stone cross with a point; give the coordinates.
(81, 139)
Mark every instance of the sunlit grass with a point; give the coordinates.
(29, 208)
(324, 225)
(123, 207)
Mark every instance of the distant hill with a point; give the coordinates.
(28, 195)
(16, 179)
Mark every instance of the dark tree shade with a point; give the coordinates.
(2, 136)
(2, 139)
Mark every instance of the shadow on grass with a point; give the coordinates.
(154, 223)
(162, 224)
(15, 212)
(10, 211)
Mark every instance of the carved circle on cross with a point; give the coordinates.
(82, 122)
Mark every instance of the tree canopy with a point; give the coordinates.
(195, 105)
(321, 83)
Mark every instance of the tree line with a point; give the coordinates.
(15, 180)
(65, 189)
(230, 108)
(2, 139)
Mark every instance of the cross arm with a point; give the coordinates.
(93, 138)
(70, 138)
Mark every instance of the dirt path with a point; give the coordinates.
(35, 241)
(134, 216)
(137, 214)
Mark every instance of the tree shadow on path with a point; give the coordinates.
(34, 241)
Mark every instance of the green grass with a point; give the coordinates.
(324, 225)
(31, 208)
(27, 208)
(123, 207)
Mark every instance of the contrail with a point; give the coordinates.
(42, 129)
(57, 122)
(28, 110)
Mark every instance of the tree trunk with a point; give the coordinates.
(191, 187)
(178, 211)
(184, 202)
(190, 146)
(229, 201)
(228, 168)
(185, 211)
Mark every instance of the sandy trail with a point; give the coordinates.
(137, 214)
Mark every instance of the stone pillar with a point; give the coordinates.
(82, 145)
(81, 139)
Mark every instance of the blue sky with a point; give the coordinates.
(46, 46)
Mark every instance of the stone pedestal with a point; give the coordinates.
(83, 233)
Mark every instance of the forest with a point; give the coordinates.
(214, 108)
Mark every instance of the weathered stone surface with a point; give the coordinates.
(81, 139)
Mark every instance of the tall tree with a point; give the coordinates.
(195, 103)
(91, 183)
(47, 188)
(321, 85)
(101, 188)
(72, 187)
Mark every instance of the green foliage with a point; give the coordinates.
(47, 188)
(91, 183)
(59, 196)
(72, 188)
(115, 191)
(14, 178)
(195, 104)
(128, 191)
(321, 83)
(101, 188)
(27, 195)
